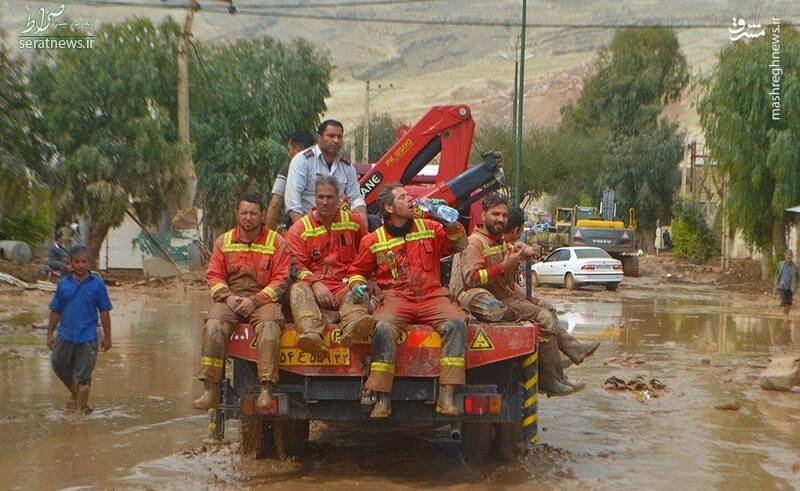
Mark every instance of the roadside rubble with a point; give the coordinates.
(783, 373)
(643, 390)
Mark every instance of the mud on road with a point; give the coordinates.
(707, 347)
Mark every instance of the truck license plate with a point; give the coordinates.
(296, 356)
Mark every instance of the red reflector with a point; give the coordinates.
(588, 267)
(618, 267)
(476, 405)
(269, 410)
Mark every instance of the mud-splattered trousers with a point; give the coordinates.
(259, 271)
(407, 270)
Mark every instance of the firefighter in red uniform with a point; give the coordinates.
(323, 244)
(404, 255)
(247, 275)
(487, 270)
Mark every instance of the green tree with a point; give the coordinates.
(640, 72)
(109, 111)
(692, 238)
(247, 98)
(23, 195)
(382, 136)
(758, 154)
(644, 171)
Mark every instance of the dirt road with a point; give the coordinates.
(706, 346)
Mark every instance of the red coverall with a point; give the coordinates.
(259, 271)
(407, 271)
(324, 255)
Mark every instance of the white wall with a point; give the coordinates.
(120, 249)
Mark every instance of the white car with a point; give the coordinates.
(576, 266)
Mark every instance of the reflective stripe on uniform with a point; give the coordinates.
(455, 236)
(384, 244)
(491, 251)
(305, 274)
(271, 293)
(267, 247)
(217, 287)
(484, 276)
(209, 361)
(310, 230)
(344, 223)
(381, 366)
(452, 361)
(356, 277)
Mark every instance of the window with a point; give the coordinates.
(591, 254)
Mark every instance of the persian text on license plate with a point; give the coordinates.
(296, 356)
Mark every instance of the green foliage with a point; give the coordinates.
(641, 71)
(110, 113)
(382, 129)
(759, 156)
(31, 222)
(247, 98)
(644, 171)
(692, 238)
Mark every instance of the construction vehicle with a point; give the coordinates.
(588, 226)
(499, 400)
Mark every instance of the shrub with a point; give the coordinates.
(691, 236)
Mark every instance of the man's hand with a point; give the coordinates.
(323, 295)
(233, 301)
(245, 308)
(512, 258)
(51, 340)
(106, 344)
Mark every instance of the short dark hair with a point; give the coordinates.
(386, 196)
(77, 250)
(493, 200)
(251, 198)
(301, 139)
(516, 218)
(329, 122)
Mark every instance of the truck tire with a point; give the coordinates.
(290, 437)
(508, 441)
(255, 437)
(569, 282)
(630, 265)
(476, 442)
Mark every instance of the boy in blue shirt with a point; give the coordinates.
(74, 311)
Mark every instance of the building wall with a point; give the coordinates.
(121, 249)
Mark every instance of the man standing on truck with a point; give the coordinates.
(323, 159)
(404, 256)
(489, 267)
(323, 244)
(298, 141)
(247, 275)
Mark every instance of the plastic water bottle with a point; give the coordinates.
(438, 209)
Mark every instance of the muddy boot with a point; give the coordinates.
(549, 371)
(357, 329)
(210, 397)
(382, 407)
(574, 349)
(82, 399)
(445, 404)
(265, 397)
(311, 342)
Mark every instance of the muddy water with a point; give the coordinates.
(706, 348)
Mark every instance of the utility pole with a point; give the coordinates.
(520, 96)
(365, 134)
(516, 88)
(187, 166)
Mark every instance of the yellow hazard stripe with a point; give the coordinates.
(491, 251)
(217, 287)
(484, 276)
(530, 360)
(380, 366)
(209, 361)
(455, 236)
(356, 277)
(530, 419)
(535, 438)
(452, 361)
(531, 381)
(530, 401)
(271, 293)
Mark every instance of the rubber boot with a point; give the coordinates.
(265, 397)
(210, 398)
(382, 407)
(357, 329)
(574, 349)
(311, 342)
(82, 399)
(445, 403)
(550, 370)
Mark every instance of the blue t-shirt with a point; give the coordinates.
(78, 304)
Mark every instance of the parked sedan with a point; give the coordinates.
(576, 266)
